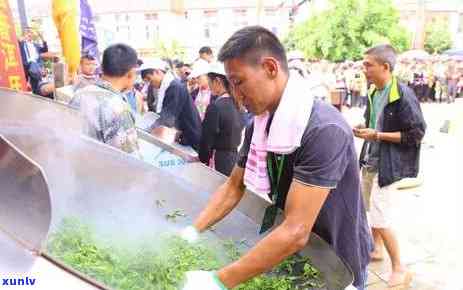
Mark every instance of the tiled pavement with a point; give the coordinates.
(428, 217)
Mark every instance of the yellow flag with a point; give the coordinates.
(66, 17)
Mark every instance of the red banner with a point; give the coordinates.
(11, 68)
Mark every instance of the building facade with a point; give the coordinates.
(144, 24)
(417, 14)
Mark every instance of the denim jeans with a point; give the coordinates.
(364, 279)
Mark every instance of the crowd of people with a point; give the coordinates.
(193, 101)
(298, 150)
(438, 78)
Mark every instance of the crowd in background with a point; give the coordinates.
(198, 101)
(436, 79)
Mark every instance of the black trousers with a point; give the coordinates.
(35, 86)
(225, 160)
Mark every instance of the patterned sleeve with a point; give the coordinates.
(109, 121)
(118, 127)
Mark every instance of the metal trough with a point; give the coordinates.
(117, 193)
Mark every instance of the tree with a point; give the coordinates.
(171, 50)
(347, 29)
(438, 37)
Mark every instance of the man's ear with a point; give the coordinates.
(131, 74)
(271, 66)
(387, 66)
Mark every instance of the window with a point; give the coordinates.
(38, 21)
(207, 32)
(124, 33)
(271, 17)
(240, 13)
(127, 18)
(460, 24)
(151, 32)
(240, 18)
(117, 17)
(270, 12)
(210, 13)
(96, 18)
(210, 23)
(151, 16)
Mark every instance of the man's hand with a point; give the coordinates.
(223, 201)
(288, 238)
(366, 134)
(190, 234)
(202, 280)
(360, 126)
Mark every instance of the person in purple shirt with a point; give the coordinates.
(318, 186)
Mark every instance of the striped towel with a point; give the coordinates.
(256, 175)
(291, 117)
(285, 134)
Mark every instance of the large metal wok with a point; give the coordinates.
(25, 216)
(117, 193)
(19, 107)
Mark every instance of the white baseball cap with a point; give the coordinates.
(199, 69)
(217, 68)
(154, 63)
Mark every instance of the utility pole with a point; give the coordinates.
(22, 15)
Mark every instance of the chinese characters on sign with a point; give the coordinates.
(11, 69)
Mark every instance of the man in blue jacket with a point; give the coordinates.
(393, 132)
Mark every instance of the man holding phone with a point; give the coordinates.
(393, 132)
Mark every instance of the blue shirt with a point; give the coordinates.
(327, 158)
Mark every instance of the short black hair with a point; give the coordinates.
(252, 43)
(179, 65)
(223, 79)
(118, 60)
(139, 62)
(206, 50)
(384, 53)
(87, 55)
(146, 72)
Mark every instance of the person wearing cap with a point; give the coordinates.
(174, 104)
(296, 62)
(205, 55)
(202, 94)
(222, 125)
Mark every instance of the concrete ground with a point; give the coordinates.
(429, 219)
